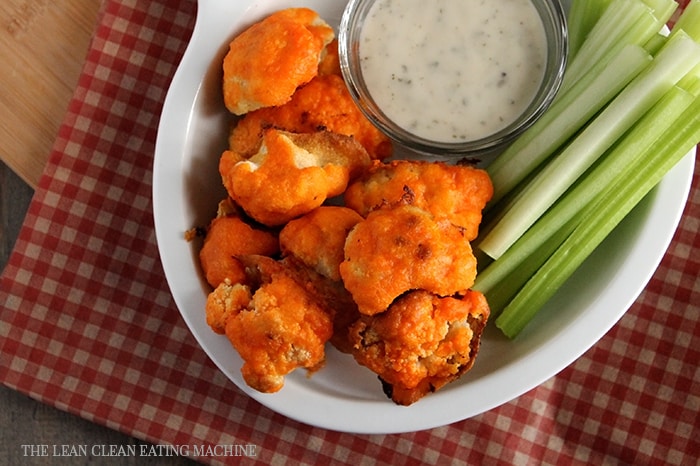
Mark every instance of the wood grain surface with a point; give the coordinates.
(42, 50)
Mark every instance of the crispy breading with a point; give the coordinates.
(226, 301)
(401, 249)
(317, 239)
(291, 174)
(227, 237)
(456, 192)
(331, 296)
(315, 242)
(274, 323)
(330, 63)
(310, 19)
(324, 103)
(421, 343)
(268, 61)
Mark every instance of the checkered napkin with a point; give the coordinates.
(87, 323)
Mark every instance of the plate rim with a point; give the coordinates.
(174, 133)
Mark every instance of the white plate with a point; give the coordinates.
(344, 396)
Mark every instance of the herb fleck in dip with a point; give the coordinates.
(453, 70)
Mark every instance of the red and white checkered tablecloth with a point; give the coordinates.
(87, 323)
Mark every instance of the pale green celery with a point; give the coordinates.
(656, 43)
(567, 115)
(583, 15)
(691, 81)
(689, 21)
(502, 279)
(623, 22)
(639, 33)
(680, 55)
(662, 9)
(601, 218)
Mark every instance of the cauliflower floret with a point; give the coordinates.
(456, 192)
(330, 63)
(323, 103)
(421, 343)
(227, 237)
(314, 247)
(275, 324)
(287, 45)
(292, 174)
(227, 300)
(317, 239)
(401, 249)
(331, 295)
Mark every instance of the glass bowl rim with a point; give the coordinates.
(554, 21)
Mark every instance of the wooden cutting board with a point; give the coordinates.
(42, 49)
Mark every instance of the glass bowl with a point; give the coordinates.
(395, 55)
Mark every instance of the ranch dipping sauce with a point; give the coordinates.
(453, 70)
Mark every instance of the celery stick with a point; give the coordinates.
(583, 15)
(689, 22)
(651, 126)
(563, 119)
(503, 278)
(691, 81)
(656, 43)
(676, 59)
(662, 9)
(623, 22)
(602, 218)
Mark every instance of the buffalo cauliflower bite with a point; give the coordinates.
(274, 323)
(227, 300)
(333, 298)
(421, 343)
(456, 192)
(288, 47)
(330, 63)
(323, 103)
(291, 174)
(314, 246)
(402, 249)
(227, 237)
(317, 239)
